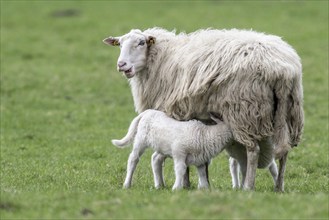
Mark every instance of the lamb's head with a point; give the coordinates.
(134, 48)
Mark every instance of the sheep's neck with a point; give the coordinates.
(144, 93)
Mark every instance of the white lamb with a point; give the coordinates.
(187, 142)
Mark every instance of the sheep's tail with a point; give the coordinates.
(296, 113)
(130, 135)
(289, 117)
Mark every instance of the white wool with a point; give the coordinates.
(223, 71)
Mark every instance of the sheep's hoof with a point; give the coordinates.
(126, 186)
(203, 187)
(248, 188)
(278, 190)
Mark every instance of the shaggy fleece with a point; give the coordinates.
(253, 80)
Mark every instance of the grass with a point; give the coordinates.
(62, 101)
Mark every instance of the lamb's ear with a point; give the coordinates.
(113, 41)
(150, 40)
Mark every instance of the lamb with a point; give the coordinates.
(187, 142)
(253, 80)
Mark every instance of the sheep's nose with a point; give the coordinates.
(121, 64)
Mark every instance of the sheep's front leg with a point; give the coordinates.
(157, 167)
(180, 170)
(279, 186)
(234, 170)
(132, 163)
(203, 176)
(252, 163)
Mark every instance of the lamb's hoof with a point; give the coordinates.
(177, 188)
(159, 187)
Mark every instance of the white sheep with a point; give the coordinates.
(187, 142)
(253, 80)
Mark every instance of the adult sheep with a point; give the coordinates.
(252, 80)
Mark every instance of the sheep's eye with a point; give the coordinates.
(141, 43)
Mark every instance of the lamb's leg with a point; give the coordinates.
(203, 176)
(252, 163)
(279, 186)
(234, 170)
(274, 171)
(132, 163)
(180, 170)
(157, 167)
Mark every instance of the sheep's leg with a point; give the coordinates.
(187, 182)
(234, 170)
(252, 163)
(203, 176)
(157, 167)
(274, 171)
(243, 170)
(180, 170)
(279, 186)
(132, 163)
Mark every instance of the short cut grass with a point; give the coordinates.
(62, 101)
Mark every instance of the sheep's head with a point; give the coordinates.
(134, 49)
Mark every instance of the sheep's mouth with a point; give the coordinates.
(129, 73)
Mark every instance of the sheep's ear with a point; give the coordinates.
(113, 41)
(150, 40)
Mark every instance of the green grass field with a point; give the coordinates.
(62, 102)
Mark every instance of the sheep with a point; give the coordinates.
(187, 142)
(253, 80)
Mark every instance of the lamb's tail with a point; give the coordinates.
(130, 135)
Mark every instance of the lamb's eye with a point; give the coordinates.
(141, 43)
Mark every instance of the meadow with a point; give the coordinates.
(62, 101)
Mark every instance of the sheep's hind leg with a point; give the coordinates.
(157, 167)
(252, 163)
(274, 171)
(203, 176)
(234, 170)
(279, 186)
(186, 181)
